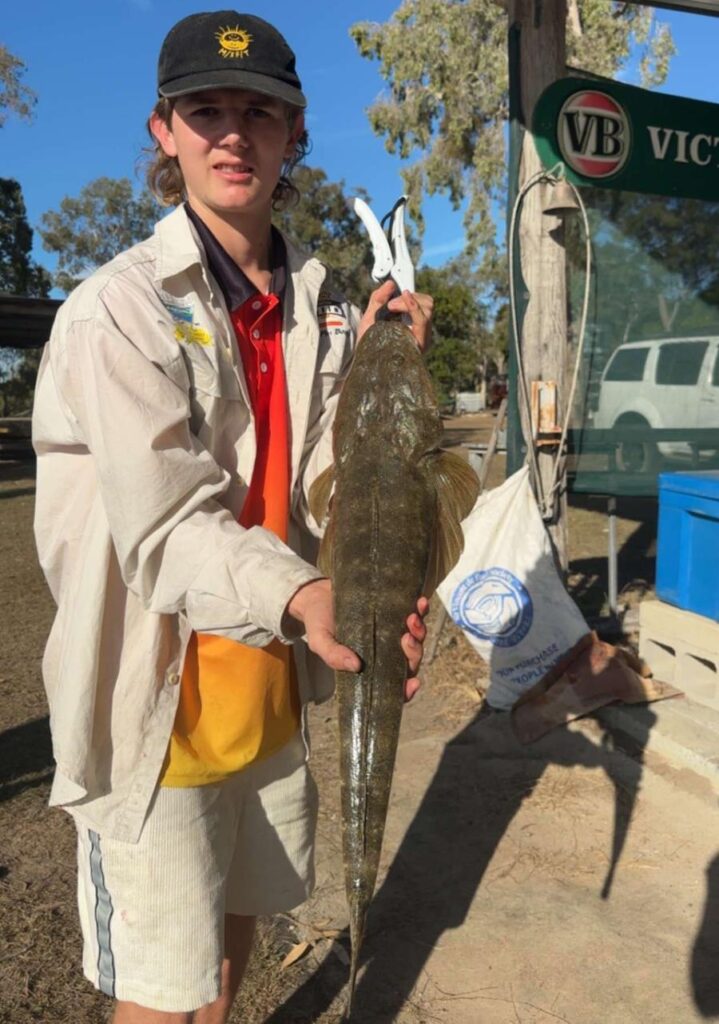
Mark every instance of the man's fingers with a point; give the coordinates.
(419, 309)
(410, 688)
(417, 627)
(412, 651)
(337, 656)
(378, 298)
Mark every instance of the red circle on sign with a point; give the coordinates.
(594, 134)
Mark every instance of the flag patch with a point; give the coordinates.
(331, 315)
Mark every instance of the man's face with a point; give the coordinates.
(230, 145)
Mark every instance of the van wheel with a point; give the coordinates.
(635, 456)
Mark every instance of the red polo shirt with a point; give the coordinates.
(239, 704)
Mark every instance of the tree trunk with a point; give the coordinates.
(542, 52)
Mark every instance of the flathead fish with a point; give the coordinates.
(395, 502)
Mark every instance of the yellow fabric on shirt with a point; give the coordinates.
(239, 704)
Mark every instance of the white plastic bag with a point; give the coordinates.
(506, 595)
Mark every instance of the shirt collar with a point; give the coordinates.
(234, 284)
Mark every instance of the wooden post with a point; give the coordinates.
(541, 29)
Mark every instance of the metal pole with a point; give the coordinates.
(612, 554)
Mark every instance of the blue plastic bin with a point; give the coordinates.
(688, 541)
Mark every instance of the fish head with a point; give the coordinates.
(388, 396)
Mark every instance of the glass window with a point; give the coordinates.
(680, 362)
(627, 364)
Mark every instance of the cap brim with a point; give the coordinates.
(235, 79)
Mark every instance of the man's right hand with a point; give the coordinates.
(312, 606)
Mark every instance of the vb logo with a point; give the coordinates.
(593, 133)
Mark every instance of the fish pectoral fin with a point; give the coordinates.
(457, 488)
(324, 558)
(320, 494)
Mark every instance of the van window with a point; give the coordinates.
(627, 364)
(680, 362)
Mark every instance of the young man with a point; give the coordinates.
(183, 408)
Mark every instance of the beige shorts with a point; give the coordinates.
(152, 913)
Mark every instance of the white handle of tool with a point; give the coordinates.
(402, 269)
(382, 268)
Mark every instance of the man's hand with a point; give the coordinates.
(413, 644)
(415, 304)
(312, 605)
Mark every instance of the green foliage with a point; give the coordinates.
(18, 372)
(324, 225)
(452, 365)
(446, 104)
(104, 220)
(656, 266)
(14, 96)
(453, 360)
(19, 275)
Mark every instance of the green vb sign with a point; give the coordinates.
(623, 137)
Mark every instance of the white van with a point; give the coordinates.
(660, 383)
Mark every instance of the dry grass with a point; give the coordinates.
(40, 976)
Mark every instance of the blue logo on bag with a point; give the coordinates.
(494, 606)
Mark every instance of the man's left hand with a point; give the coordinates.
(416, 305)
(412, 645)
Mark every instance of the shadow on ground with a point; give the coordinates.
(636, 557)
(705, 955)
(481, 783)
(25, 757)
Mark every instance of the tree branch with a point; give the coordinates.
(575, 19)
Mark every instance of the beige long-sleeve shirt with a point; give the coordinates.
(145, 447)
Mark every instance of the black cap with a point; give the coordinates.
(227, 50)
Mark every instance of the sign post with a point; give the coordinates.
(538, 32)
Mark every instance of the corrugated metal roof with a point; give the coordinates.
(25, 322)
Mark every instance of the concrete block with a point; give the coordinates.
(682, 648)
(682, 731)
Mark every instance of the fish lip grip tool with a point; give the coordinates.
(389, 247)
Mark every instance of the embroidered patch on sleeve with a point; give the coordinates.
(331, 315)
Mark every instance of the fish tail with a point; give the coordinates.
(354, 964)
(357, 924)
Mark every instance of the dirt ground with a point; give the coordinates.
(576, 880)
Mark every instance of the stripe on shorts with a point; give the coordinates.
(103, 916)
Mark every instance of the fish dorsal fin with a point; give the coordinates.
(320, 494)
(319, 498)
(457, 489)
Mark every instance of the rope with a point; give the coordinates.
(546, 501)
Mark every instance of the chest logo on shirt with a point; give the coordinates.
(331, 317)
(185, 330)
(234, 42)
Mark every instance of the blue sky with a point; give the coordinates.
(93, 64)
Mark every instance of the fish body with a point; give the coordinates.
(393, 533)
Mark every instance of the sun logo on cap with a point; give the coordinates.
(234, 42)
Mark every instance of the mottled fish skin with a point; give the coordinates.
(384, 517)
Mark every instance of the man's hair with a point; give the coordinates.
(165, 180)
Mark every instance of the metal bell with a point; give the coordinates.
(561, 199)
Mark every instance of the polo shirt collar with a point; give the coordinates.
(236, 287)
